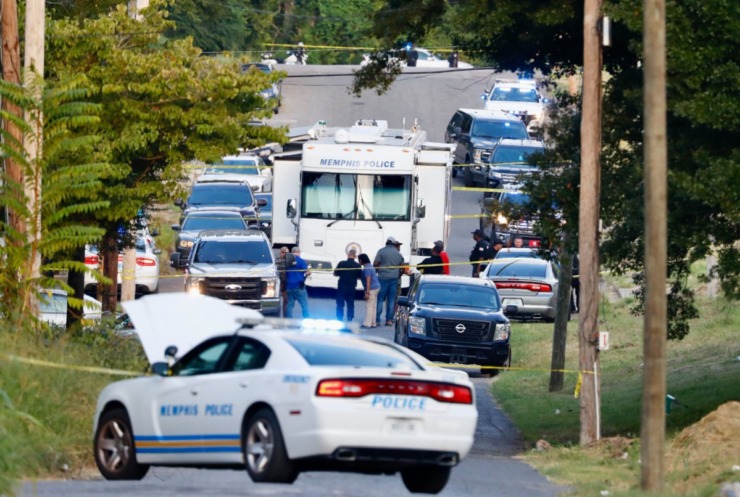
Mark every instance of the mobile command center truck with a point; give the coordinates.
(355, 187)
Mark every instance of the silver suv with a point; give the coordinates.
(477, 131)
(236, 266)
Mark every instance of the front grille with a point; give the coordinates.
(250, 288)
(475, 331)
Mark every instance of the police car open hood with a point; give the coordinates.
(182, 320)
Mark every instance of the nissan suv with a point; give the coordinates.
(476, 132)
(234, 265)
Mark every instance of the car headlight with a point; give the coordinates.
(494, 174)
(193, 285)
(477, 153)
(501, 219)
(417, 326)
(268, 287)
(503, 330)
(269, 93)
(319, 265)
(186, 243)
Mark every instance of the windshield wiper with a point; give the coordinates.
(364, 204)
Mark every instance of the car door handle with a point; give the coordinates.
(194, 391)
(243, 384)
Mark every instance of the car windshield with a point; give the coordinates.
(458, 295)
(515, 198)
(214, 222)
(210, 194)
(517, 268)
(514, 154)
(499, 129)
(250, 166)
(356, 196)
(357, 353)
(514, 94)
(233, 252)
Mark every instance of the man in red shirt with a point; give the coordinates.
(440, 246)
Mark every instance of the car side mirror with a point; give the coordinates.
(484, 96)
(161, 369)
(179, 202)
(262, 202)
(403, 301)
(511, 310)
(170, 352)
(291, 209)
(175, 260)
(176, 227)
(154, 232)
(421, 208)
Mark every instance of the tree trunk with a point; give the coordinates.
(128, 276)
(76, 279)
(560, 332)
(109, 253)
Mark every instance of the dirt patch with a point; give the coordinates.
(709, 447)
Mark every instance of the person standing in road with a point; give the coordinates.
(348, 271)
(453, 58)
(372, 287)
(389, 263)
(284, 262)
(440, 245)
(412, 56)
(296, 284)
(478, 254)
(433, 264)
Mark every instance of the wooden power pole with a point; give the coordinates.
(654, 389)
(588, 220)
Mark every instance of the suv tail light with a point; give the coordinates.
(145, 261)
(516, 285)
(441, 392)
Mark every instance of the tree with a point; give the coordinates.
(162, 103)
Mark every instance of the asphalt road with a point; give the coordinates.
(492, 467)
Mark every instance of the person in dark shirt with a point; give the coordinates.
(349, 272)
(433, 264)
(479, 252)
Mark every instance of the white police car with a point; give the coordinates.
(279, 402)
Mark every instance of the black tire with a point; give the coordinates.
(114, 450)
(454, 171)
(264, 450)
(426, 479)
(468, 177)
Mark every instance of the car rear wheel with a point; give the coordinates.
(264, 450)
(114, 450)
(426, 479)
(468, 176)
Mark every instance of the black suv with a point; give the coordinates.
(455, 319)
(509, 162)
(476, 132)
(220, 196)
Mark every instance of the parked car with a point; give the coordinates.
(518, 97)
(273, 94)
(509, 163)
(278, 398)
(427, 58)
(496, 217)
(453, 319)
(222, 195)
(245, 167)
(236, 266)
(529, 284)
(53, 307)
(198, 221)
(147, 266)
(265, 213)
(476, 132)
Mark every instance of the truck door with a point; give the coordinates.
(286, 187)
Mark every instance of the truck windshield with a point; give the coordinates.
(233, 252)
(356, 196)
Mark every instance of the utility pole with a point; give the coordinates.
(33, 79)
(588, 220)
(653, 388)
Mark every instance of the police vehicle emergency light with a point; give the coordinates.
(278, 398)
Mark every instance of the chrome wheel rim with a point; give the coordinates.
(260, 445)
(114, 446)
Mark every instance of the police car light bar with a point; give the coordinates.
(302, 325)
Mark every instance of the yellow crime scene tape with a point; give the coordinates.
(71, 367)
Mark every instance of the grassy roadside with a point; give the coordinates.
(702, 373)
(46, 413)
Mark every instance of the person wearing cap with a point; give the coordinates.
(479, 251)
(443, 255)
(348, 272)
(389, 263)
(497, 244)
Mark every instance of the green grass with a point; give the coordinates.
(46, 413)
(702, 373)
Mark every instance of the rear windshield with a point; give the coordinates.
(214, 222)
(220, 194)
(518, 267)
(499, 129)
(359, 353)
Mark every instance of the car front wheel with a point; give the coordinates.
(426, 479)
(264, 450)
(114, 450)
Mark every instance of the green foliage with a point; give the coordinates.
(214, 26)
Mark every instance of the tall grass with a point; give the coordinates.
(46, 413)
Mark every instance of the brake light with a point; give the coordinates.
(353, 388)
(532, 287)
(92, 260)
(145, 261)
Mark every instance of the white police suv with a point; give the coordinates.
(277, 400)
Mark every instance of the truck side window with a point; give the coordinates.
(467, 123)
